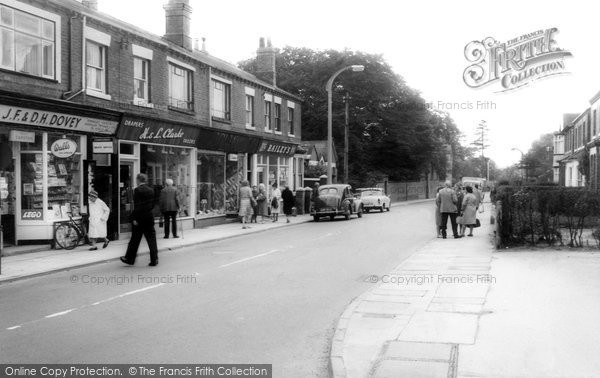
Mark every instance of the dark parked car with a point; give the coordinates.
(334, 200)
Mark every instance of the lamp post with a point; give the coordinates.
(329, 89)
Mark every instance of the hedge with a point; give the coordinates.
(540, 214)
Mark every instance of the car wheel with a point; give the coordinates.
(382, 208)
(347, 216)
(389, 207)
(316, 218)
(360, 212)
(332, 217)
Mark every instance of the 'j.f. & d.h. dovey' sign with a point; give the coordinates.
(33, 117)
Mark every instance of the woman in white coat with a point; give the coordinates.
(99, 213)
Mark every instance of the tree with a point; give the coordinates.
(538, 160)
(393, 133)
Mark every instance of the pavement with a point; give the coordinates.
(266, 297)
(458, 308)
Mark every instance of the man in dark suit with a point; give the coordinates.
(447, 200)
(143, 222)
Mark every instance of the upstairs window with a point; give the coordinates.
(291, 121)
(95, 60)
(141, 69)
(27, 42)
(221, 105)
(268, 116)
(278, 118)
(180, 88)
(249, 111)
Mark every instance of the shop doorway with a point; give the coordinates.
(104, 183)
(126, 186)
(7, 194)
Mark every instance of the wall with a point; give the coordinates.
(406, 191)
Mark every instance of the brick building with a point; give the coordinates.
(88, 101)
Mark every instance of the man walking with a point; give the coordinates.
(169, 207)
(447, 200)
(143, 222)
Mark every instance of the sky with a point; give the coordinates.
(423, 41)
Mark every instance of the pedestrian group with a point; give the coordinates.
(460, 206)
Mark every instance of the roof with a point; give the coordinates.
(320, 148)
(369, 189)
(337, 186)
(200, 56)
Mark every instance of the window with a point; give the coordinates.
(267, 115)
(594, 123)
(249, 111)
(141, 69)
(95, 60)
(180, 88)
(291, 121)
(221, 106)
(278, 118)
(27, 43)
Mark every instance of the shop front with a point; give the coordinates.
(162, 150)
(47, 174)
(274, 163)
(222, 164)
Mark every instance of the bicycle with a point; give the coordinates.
(68, 234)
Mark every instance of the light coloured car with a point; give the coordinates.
(374, 198)
(334, 200)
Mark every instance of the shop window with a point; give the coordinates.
(180, 88)
(221, 104)
(211, 185)
(126, 148)
(234, 174)
(162, 162)
(27, 43)
(61, 179)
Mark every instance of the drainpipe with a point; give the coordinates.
(210, 99)
(83, 79)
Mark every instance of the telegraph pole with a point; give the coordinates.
(346, 136)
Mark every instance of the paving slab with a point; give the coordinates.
(418, 351)
(412, 369)
(441, 327)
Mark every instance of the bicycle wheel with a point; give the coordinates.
(66, 236)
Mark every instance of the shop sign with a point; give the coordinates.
(31, 214)
(156, 131)
(232, 157)
(32, 117)
(21, 136)
(214, 140)
(269, 147)
(103, 147)
(63, 148)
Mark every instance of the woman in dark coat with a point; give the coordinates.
(289, 201)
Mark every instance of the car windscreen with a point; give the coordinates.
(326, 191)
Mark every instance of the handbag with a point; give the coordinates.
(275, 203)
(481, 210)
(477, 223)
(253, 202)
(459, 219)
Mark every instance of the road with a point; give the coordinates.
(272, 297)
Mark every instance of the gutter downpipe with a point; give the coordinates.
(83, 78)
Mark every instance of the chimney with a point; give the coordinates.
(91, 4)
(265, 62)
(178, 14)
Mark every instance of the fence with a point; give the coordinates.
(406, 191)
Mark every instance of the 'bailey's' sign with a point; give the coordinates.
(155, 131)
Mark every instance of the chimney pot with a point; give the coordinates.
(265, 62)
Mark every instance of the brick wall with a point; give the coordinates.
(120, 83)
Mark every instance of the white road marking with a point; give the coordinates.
(56, 314)
(59, 313)
(249, 258)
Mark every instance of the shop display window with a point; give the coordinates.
(163, 162)
(211, 185)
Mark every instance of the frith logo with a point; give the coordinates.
(515, 63)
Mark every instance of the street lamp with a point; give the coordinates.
(328, 88)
